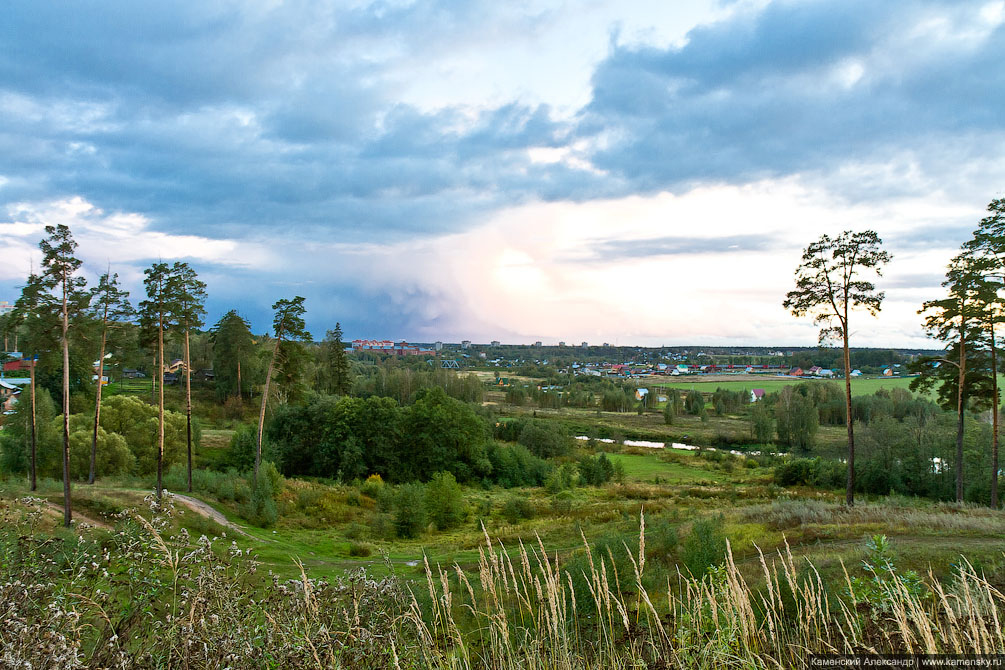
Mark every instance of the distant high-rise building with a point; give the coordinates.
(585, 345)
(607, 344)
(495, 343)
(561, 344)
(465, 344)
(538, 343)
(438, 346)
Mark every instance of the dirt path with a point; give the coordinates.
(201, 508)
(77, 516)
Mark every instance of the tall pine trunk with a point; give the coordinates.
(160, 405)
(240, 397)
(67, 512)
(34, 431)
(959, 419)
(188, 407)
(265, 399)
(849, 496)
(153, 379)
(994, 421)
(97, 406)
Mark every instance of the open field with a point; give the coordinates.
(771, 383)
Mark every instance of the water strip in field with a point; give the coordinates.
(663, 445)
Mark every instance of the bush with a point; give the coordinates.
(562, 503)
(811, 472)
(661, 540)
(360, 549)
(544, 440)
(444, 501)
(261, 507)
(409, 512)
(705, 546)
(517, 508)
(596, 470)
(372, 487)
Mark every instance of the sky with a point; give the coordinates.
(629, 172)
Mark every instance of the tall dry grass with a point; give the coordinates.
(147, 596)
(521, 613)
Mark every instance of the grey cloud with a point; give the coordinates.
(616, 249)
(755, 96)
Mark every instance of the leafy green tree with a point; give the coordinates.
(444, 501)
(188, 298)
(695, 403)
(409, 510)
(59, 267)
(33, 424)
(334, 375)
(140, 424)
(440, 433)
(596, 470)
(288, 323)
(796, 418)
(958, 319)
(156, 314)
(543, 439)
(762, 426)
(829, 285)
(233, 353)
(110, 307)
(34, 310)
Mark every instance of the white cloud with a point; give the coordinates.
(120, 238)
(533, 271)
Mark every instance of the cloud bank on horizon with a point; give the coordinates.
(472, 170)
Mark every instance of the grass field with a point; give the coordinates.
(859, 385)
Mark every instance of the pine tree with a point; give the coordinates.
(233, 348)
(829, 285)
(288, 324)
(59, 266)
(155, 319)
(334, 375)
(110, 306)
(188, 299)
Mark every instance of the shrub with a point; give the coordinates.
(544, 440)
(409, 512)
(373, 485)
(444, 501)
(661, 540)
(517, 508)
(596, 470)
(360, 549)
(261, 507)
(705, 546)
(562, 503)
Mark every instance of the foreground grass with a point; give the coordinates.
(148, 594)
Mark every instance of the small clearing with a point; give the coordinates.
(202, 509)
(57, 509)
